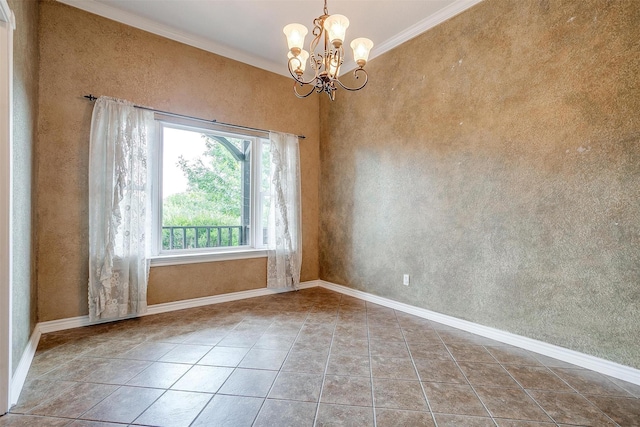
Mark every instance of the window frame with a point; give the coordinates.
(256, 247)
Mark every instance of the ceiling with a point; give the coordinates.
(250, 31)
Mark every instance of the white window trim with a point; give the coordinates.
(199, 257)
(256, 249)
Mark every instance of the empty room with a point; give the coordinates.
(320, 213)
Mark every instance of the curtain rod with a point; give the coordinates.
(92, 98)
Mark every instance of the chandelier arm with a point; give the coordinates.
(299, 79)
(295, 90)
(316, 39)
(315, 59)
(338, 57)
(355, 73)
(316, 62)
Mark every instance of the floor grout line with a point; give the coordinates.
(467, 379)
(373, 395)
(415, 368)
(259, 316)
(326, 365)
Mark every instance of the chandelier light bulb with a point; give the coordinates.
(361, 48)
(295, 37)
(336, 26)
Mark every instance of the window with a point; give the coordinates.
(211, 191)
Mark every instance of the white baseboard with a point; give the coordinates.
(597, 364)
(80, 321)
(20, 375)
(217, 299)
(593, 363)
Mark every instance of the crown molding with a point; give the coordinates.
(6, 15)
(171, 33)
(415, 30)
(426, 24)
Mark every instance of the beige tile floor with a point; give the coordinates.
(312, 357)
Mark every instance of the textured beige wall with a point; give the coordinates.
(82, 53)
(169, 282)
(25, 104)
(496, 159)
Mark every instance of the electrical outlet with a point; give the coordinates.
(405, 280)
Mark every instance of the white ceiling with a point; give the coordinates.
(250, 31)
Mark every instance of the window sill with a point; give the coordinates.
(195, 258)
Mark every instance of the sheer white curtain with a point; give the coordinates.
(285, 234)
(121, 136)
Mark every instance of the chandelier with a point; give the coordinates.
(325, 55)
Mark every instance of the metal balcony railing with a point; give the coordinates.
(203, 236)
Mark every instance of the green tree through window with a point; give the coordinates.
(213, 196)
